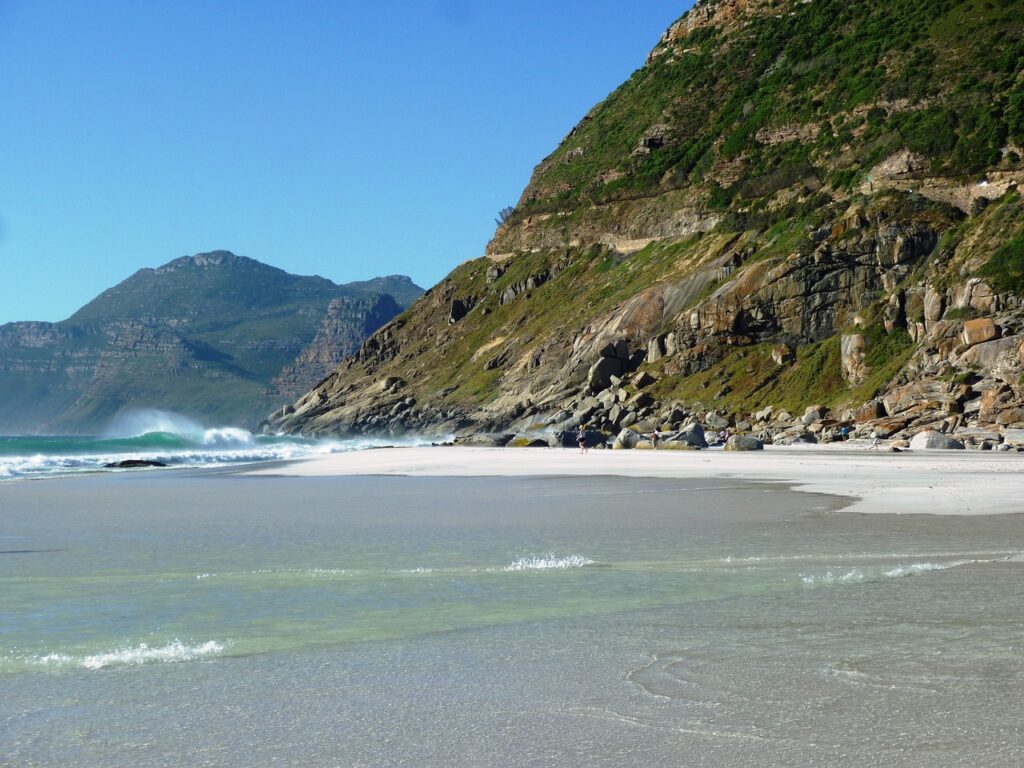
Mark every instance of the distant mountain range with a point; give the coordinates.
(218, 337)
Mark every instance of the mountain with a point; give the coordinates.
(205, 335)
(793, 204)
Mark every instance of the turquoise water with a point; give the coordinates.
(161, 436)
(206, 618)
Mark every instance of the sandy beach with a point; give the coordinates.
(922, 482)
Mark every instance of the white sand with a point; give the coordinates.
(932, 482)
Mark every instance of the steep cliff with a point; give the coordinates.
(205, 335)
(347, 322)
(792, 204)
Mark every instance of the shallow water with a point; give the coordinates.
(210, 619)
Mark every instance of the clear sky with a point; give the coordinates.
(346, 139)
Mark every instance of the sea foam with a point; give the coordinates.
(547, 563)
(143, 653)
(859, 575)
(852, 576)
(915, 568)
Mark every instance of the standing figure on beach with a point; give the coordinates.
(655, 437)
(874, 440)
(581, 438)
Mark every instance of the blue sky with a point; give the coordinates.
(336, 138)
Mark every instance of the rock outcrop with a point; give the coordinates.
(347, 323)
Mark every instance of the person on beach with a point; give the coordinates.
(874, 440)
(655, 437)
(581, 438)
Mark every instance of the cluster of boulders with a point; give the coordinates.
(626, 415)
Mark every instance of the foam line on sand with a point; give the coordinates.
(933, 482)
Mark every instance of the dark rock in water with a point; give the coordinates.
(133, 464)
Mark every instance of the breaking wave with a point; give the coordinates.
(547, 563)
(143, 653)
(915, 568)
(852, 576)
(165, 437)
(858, 575)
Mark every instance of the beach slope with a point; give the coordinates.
(933, 482)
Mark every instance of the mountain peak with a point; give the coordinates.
(218, 258)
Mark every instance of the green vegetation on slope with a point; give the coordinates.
(860, 80)
(1005, 270)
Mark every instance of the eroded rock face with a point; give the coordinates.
(852, 349)
(346, 324)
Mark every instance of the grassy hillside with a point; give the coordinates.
(851, 82)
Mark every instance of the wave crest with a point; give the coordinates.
(859, 575)
(915, 568)
(548, 562)
(173, 652)
(852, 576)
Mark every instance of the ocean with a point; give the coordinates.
(165, 437)
(203, 617)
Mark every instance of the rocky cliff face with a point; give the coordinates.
(204, 335)
(791, 206)
(347, 322)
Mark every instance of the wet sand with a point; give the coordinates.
(922, 482)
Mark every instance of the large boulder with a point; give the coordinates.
(692, 434)
(795, 436)
(979, 331)
(643, 379)
(743, 443)
(627, 438)
(676, 446)
(871, 410)
(1014, 437)
(485, 439)
(932, 440)
(886, 427)
(529, 441)
(599, 377)
(716, 421)
(814, 413)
